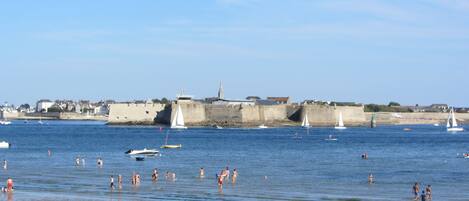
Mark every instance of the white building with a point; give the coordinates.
(43, 105)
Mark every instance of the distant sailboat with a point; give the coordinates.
(178, 120)
(340, 124)
(305, 123)
(373, 121)
(170, 146)
(262, 126)
(452, 124)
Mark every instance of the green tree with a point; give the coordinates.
(393, 104)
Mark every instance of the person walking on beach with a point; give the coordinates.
(235, 175)
(428, 192)
(201, 172)
(416, 189)
(111, 182)
(154, 175)
(5, 164)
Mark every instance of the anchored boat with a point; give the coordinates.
(452, 124)
(144, 151)
(178, 120)
(340, 124)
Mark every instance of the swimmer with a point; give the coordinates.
(77, 161)
(9, 184)
(134, 178)
(111, 182)
(415, 190)
(235, 175)
(227, 171)
(201, 172)
(428, 192)
(423, 197)
(100, 162)
(119, 181)
(154, 175)
(370, 178)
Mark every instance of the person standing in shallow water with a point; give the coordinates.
(235, 175)
(154, 175)
(119, 181)
(416, 190)
(111, 182)
(9, 184)
(370, 178)
(201, 172)
(428, 192)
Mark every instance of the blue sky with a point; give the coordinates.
(357, 50)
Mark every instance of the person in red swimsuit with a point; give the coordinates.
(9, 184)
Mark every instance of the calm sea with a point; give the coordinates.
(272, 163)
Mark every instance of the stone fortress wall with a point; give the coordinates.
(200, 114)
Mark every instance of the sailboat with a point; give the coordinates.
(169, 146)
(305, 123)
(340, 124)
(178, 120)
(452, 124)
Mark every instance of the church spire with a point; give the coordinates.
(221, 94)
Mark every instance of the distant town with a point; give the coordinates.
(122, 112)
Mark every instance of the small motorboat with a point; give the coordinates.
(4, 145)
(407, 129)
(330, 138)
(466, 155)
(171, 146)
(5, 122)
(144, 151)
(436, 124)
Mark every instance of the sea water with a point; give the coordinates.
(274, 164)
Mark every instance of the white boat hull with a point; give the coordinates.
(340, 127)
(142, 152)
(5, 122)
(4, 145)
(178, 127)
(456, 129)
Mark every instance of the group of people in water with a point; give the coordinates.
(426, 194)
(81, 161)
(224, 175)
(171, 176)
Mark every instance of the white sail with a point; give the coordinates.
(178, 120)
(448, 124)
(454, 123)
(341, 121)
(305, 122)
